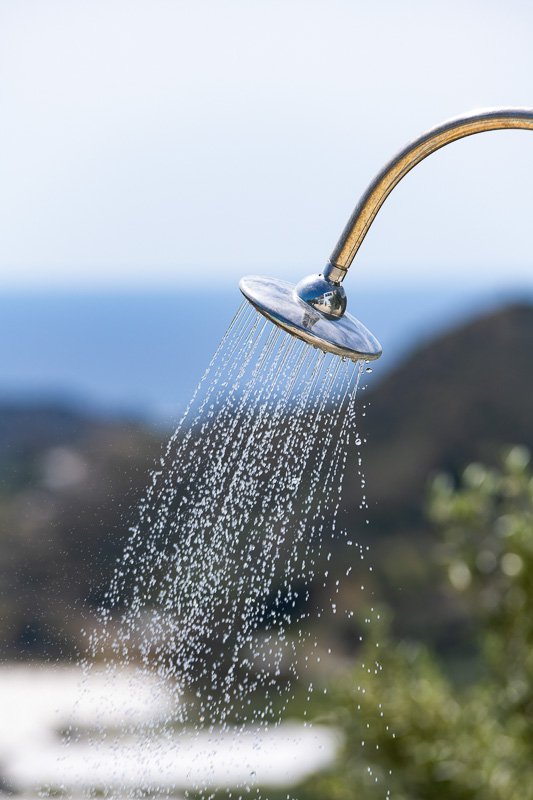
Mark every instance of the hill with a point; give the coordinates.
(462, 397)
(67, 484)
(457, 398)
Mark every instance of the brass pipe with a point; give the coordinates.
(383, 184)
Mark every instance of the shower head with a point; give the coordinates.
(301, 313)
(315, 309)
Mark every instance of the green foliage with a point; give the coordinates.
(409, 732)
(488, 551)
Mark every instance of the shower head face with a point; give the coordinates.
(279, 302)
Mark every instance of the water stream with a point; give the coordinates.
(211, 595)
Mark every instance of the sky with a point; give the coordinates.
(182, 143)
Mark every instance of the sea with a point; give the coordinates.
(139, 354)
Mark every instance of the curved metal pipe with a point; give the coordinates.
(314, 309)
(383, 184)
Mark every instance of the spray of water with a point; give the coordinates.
(211, 594)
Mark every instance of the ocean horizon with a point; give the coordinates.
(141, 353)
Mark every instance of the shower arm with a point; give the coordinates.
(314, 309)
(383, 184)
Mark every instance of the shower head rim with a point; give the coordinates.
(277, 300)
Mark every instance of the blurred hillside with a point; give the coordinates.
(462, 397)
(458, 397)
(69, 483)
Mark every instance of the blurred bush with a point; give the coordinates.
(410, 731)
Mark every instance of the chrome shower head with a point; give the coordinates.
(314, 309)
(310, 316)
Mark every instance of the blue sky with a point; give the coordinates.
(163, 142)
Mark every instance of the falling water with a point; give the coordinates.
(211, 594)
